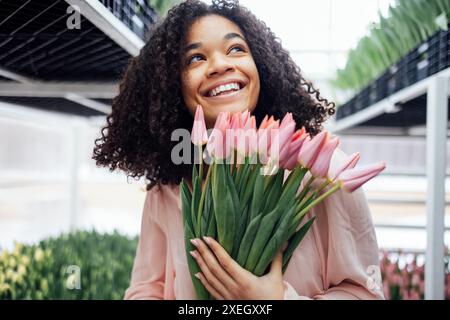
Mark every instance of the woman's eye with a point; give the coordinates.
(239, 48)
(194, 59)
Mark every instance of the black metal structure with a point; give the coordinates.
(36, 43)
(425, 60)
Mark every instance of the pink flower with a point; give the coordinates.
(287, 119)
(320, 167)
(265, 132)
(199, 135)
(280, 142)
(422, 286)
(294, 147)
(311, 149)
(387, 291)
(414, 295)
(349, 163)
(248, 142)
(406, 295)
(352, 179)
(415, 279)
(245, 117)
(236, 121)
(217, 145)
(235, 130)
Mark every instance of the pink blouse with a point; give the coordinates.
(337, 259)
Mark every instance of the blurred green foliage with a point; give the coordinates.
(51, 269)
(407, 24)
(162, 6)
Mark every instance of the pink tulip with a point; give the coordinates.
(352, 179)
(265, 132)
(406, 295)
(199, 135)
(348, 163)
(422, 285)
(294, 147)
(387, 291)
(287, 120)
(280, 142)
(245, 116)
(414, 295)
(249, 123)
(311, 149)
(320, 167)
(236, 121)
(235, 130)
(247, 143)
(415, 280)
(217, 145)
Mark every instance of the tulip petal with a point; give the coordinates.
(320, 167)
(199, 135)
(352, 179)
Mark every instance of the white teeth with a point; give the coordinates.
(222, 88)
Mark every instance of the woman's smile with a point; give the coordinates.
(225, 92)
(218, 70)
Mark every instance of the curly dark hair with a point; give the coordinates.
(149, 106)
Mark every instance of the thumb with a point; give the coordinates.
(277, 264)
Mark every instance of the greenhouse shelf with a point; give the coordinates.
(427, 59)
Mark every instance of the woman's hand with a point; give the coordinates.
(225, 279)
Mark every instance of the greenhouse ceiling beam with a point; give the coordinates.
(106, 21)
(58, 89)
(14, 76)
(387, 105)
(89, 103)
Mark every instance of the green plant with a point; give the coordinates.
(409, 23)
(162, 6)
(47, 270)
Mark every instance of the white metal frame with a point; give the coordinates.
(58, 89)
(79, 92)
(102, 18)
(437, 88)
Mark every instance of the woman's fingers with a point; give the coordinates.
(208, 287)
(211, 268)
(237, 273)
(208, 275)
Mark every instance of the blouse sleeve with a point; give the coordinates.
(347, 246)
(148, 274)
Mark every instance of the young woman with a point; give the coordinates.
(187, 57)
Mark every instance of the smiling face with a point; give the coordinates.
(218, 70)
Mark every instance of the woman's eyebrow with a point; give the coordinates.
(228, 36)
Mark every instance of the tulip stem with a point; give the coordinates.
(202, 198)
(304, 199)
(335, 188)
(323, 185)
(200, 170)
(306, 188)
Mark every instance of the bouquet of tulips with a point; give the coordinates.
(252, 199)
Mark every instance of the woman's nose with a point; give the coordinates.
(219, 65)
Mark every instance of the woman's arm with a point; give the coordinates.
(148, 275)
